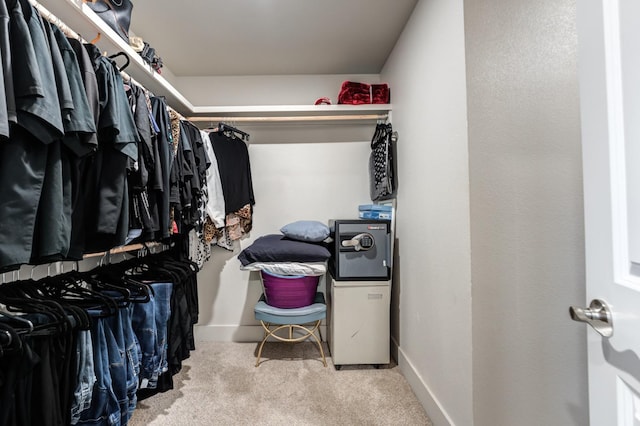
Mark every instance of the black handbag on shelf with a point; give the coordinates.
(116, 13)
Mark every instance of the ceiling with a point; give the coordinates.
(271, 37)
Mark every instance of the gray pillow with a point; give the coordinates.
(310, 231)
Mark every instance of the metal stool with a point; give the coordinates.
(306, 319)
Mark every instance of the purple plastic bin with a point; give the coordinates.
(288, 291)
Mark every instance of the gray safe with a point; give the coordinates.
(361, 249)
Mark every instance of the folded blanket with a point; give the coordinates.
(278, 248)
(288, 268)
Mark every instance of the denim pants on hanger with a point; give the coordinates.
(133, 357)
(163, 312)
(143, 320)
(123, 377)
(150, 327)
(86, 376)
(104, 409)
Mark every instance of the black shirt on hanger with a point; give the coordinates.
(90, 82)
(7, 102)
(118, 142)
(83, 180)
(235, 171)
(165, 158)
(79, 126)
(40, 115)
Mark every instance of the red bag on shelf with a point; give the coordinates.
(354, 93)
(380, 94)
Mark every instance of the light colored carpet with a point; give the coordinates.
(219, 385)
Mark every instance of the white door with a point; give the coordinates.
(609, 69)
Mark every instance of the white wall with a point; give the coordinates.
(525, 199)
(509, 187)
(266, 89)
(299, 171)
(432, 281)
(529, 359)
(316, 181)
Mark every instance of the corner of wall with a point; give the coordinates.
(427, 76)
(426, 396)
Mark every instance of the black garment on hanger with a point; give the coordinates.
(200, 155)
(38, 110)
(144, 211)
(165, 158)
(22, 170)
(188, 182)
(90, 82)
(118, 142)
(7, 102)
(40, 392)
(83, 181)
(193, 175)
(235, 171)
(199, 163)
(55, 212)
(79, 125)
(23, 158)
(382, 174)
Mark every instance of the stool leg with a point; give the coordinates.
(266, 335)
(310, 332)
(319, 342)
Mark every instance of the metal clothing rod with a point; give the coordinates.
(44, 12)
(294, 118)
(124, 249)
(224, 127)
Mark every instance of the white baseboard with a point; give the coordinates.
(430, 403)
(235, 333)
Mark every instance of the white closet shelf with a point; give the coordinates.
(267, 113)
(276, 110)
(82, 20)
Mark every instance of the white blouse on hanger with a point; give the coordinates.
(215, 203)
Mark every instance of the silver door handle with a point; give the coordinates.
(597, 315)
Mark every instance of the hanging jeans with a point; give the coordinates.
(163, 312)
(132, 350)
(86, 377)
(144, 327)
(123, 361)
(150, 326)
(104, 409)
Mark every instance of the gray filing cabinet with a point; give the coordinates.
(358, 321)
